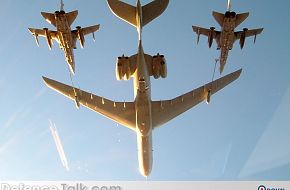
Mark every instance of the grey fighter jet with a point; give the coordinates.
(227, 36)
(64, 35)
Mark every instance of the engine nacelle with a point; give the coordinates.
(159, 67)
(233, 14)
(48, 37)
(123, 68)
(243, 38)
(211, 36)
(80, 36)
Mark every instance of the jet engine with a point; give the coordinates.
(159, 67)
(80, 36)
(243, 38)
(233, 15)
(48, 37)
(123, 69)
(211, 36)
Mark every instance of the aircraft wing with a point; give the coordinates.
(90, 29)
(49, 17)
(204, 31)
(41, 32)
(164, 111)
(71, 16)
(248, 33)
(120, 112)
(124, 11)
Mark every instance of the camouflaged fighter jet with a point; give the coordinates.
(227, 36)
(141, 115)
(64, 35)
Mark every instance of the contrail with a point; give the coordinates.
(58, 145)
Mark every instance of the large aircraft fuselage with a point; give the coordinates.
(142, 95)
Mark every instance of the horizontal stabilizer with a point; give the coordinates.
(71, 16)
(164, 111)
(49, 17)
(153, 10)
(120, 112)
(219, 17)
(241, 18)
(128, 12)
(124, 11)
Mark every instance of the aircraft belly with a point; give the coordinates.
(145, 153)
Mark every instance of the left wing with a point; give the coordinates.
(164, 111)
(120, 112)
(248, 33)
(210, 33)
(53, 35)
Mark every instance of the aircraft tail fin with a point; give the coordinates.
(241, 18)
(128, 13)
(219, 17)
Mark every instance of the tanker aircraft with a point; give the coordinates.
(227, 36)
(141, 115)
(64, 35)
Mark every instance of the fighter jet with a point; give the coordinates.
(227, 36)
(64, 35)
(141, 115)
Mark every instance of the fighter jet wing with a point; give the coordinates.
(41, 32)
(90, 29)
(120, 112)
(123, 10)
(164, 111)
(248, 33)
(49, 17)
(204, 31)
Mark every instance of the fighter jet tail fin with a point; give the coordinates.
(219, 17)
(241, 18)
(153, 10)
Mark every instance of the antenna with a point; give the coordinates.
(229, 5)
(61, 5)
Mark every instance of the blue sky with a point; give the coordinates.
(242, 135)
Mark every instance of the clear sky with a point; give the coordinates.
(244, 134)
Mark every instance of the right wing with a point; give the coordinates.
(124, 11)
(120, 112)
(88, 30)
(164, 111)
(49, 17)
(248, 33)
(41, 32)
